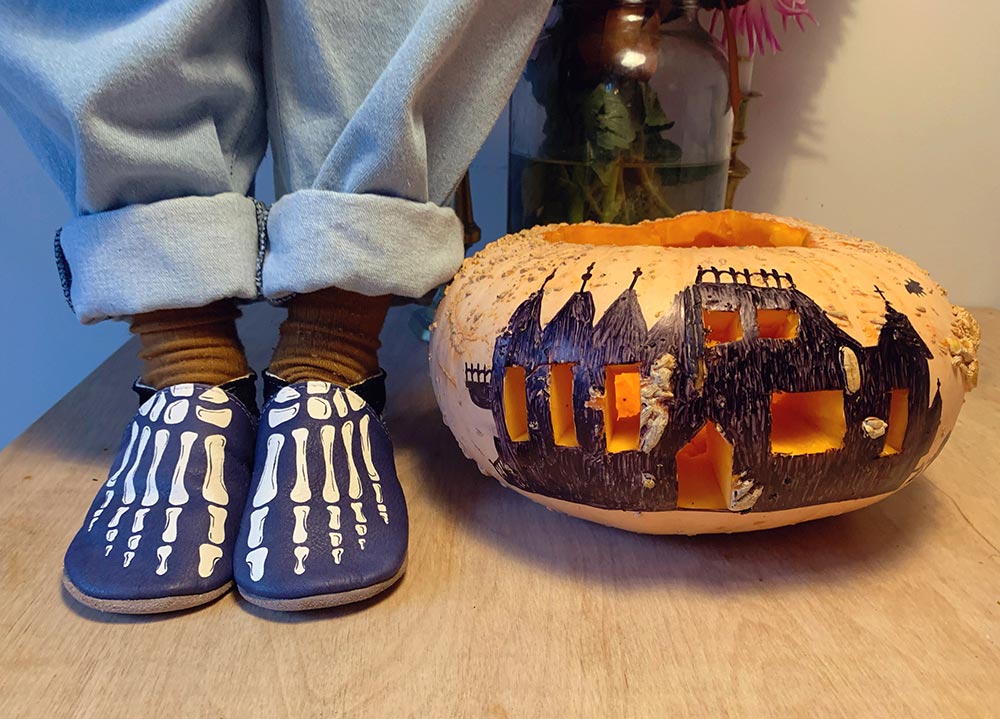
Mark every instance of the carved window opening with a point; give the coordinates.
(807, 422)
(705, 470)
(561, 405)
(622, 406)
(777, 324)
(899, 412)
(721, 326)
(515, 403)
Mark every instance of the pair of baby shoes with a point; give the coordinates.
(300, 507)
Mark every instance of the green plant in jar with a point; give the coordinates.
(622, 114)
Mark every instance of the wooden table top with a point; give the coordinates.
(509, 610)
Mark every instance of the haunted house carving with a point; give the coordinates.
(740, 343)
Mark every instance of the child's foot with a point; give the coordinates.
(325, 522)
(159, 536)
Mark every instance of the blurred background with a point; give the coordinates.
(880, 123)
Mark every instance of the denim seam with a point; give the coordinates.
(262, 211)
(62, 266)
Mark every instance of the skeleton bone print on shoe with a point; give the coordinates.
(165, 521)
(326, 513)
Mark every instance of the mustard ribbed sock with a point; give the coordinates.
(197, 344)
(330, 335)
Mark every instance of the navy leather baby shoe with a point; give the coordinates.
(325, 522)
(159, 536)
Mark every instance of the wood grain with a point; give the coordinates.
(509, 610)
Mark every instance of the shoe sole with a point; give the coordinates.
(323, 601)
(144, 606)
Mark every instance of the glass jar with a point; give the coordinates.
(622, 114)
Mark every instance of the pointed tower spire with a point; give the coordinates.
(547, 280)
(635, 277)
(587, 276)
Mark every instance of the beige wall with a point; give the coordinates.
(884, 122)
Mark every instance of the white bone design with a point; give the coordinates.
(314, 387)
(256, 535)
(94, 518)
(152, 494)
(208, 556)
(360, 529)
(128, 494)
(219, 417)
(268, 487)
(336, 539)
(176, 411)
(182, 390)
(178, 494)
(255, 560)
(214, 487)
(100, 510)
(334, 517)
(133, 541)
(159, 403)
(366, 453)
(286, 394)
(328, 437)
(354, 479)
(215, 395)
(111, 534)
(300, 558)
(107, 550)
(117, 518)
(339, 403)
(366, 449)
(280, 415)
(299, 533)
(146, 406)
(318, 408)
(139, 520)
(338, 554)
(216, 524)
(161, 554)
(129, 556)
(354, 400)
(128, 453)
(170, 528)
(300, 491)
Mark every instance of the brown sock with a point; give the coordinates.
(197, 344)
(330, 335)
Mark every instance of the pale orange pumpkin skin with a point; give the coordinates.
(838, 273)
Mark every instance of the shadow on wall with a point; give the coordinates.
(788, 121)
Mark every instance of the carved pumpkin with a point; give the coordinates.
(715, 372)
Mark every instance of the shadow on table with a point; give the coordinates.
(822, 550)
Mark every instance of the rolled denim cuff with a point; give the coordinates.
(370, 244)
(184, 252)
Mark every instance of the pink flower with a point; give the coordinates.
(753, 19)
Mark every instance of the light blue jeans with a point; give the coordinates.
(153, 115)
